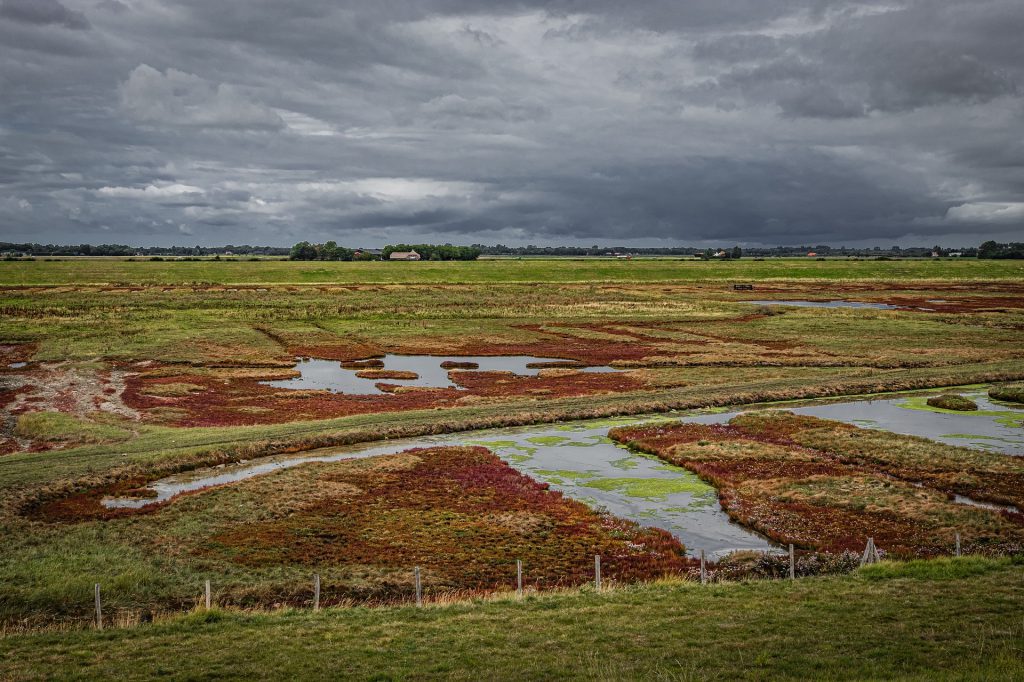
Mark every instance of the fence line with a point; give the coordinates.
(871, 554)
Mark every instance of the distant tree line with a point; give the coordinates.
(327, 251)
(531, 250)
(991, 249)
(434, 251)
(735, 253)
(32, 249)
(753, 251)
(331, 251)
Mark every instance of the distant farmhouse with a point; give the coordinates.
(404, 255)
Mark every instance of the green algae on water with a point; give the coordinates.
(564, 474)
(548, 440)
(654, 489)
(1005, 417)
(626, 463)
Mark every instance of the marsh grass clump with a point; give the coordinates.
(174, 389)
(386, 374)
(952, 401)
(768, 310)
(62, 428)
(1011, 393)
(556, 364)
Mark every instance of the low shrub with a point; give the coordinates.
(1013, 393)
(748, 565)
(952, 401)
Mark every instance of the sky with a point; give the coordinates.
(648, 123)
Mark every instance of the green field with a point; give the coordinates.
(121, 271)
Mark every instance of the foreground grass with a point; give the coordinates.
(80, 271)
(942, 619)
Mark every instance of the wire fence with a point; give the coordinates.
(871, 555)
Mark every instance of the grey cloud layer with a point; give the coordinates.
(150, 121)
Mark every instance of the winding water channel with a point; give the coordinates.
(579, 459)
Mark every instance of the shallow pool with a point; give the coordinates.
(998, 427)
(329, 375)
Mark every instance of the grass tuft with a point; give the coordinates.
(952, 401)
(946, 568)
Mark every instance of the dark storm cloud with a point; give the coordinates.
(42, 12)
(150, 121)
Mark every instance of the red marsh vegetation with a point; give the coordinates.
(241, 399)
(461, 514)
(827, 486)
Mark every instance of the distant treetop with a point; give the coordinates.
(991, 249)
(331, 251)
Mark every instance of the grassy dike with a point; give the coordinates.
(946, 619)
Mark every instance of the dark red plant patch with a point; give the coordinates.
(851, 445)
(87, 505)
(16, 352)
(464, 516)
(831, 529)
(818, 523)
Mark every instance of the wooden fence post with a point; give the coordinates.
(703, 569)
(958, 544)
(419, 587)
(597, 572)
(519, 578)
(208, 596)
(99, 607)
(792, 563)
(316, 591)
(870, 555)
